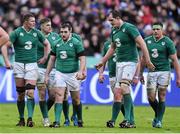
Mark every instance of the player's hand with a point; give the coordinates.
(141, 78)
(79, 75)
(46, 79)
(178, 83)
(101, 78)
(42, 60)
(135, 80)
(9, 66)
(150, 66)
(99, 65)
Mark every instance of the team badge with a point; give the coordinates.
(35, 34)
(53, 38)
(71, 44)
(163, 43)
(21, 34)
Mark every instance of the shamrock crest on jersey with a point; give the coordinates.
(35, 34)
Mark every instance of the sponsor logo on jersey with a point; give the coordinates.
(124, 30)
(28, 45)
(35, 34)
(58, 45)
(21, 34)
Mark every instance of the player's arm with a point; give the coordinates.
(4, 37)
(82, 70)
(139, 40)
(109, 53)
(176, 67)
(49, 67)
(47, 49)
(4, 51)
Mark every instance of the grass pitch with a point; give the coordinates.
(94, 117)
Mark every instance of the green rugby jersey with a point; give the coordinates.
(124, 39)
(160, 51)
(25, 44)
(51, 37)
(111, 61)
(67, 60)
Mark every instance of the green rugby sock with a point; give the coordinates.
(66, 109)
(57, 111)
(161, 110)
(43, 107)
(154, 105)
(30, 107)
(127, 106)
(115, 110)
(21, 106)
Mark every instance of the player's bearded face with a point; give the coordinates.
(65, 33)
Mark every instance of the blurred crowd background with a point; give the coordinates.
(89, 17)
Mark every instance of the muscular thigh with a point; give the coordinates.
(41, 75)
(125, 70)
(31, 71)
(164, 78)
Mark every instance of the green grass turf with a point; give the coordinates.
(95, 118)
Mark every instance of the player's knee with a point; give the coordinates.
(151, 94)
(20, 90)
(41, 86)
(21, 93)
(162, 95)
(42, 96)
(76, 100)
(30, 94)
(29, 87)
(117, 95)
(124, 85)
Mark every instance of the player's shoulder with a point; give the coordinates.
(129, 25)
(18, 29)
(54, 36)
(150, 37)
(107, 42)
(75, 40)
(167, 38)
(77, 36)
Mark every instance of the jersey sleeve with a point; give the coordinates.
(13, 36)
(105, 48)
(133, 31)
(79, 46)
(170, 47)
(53, 48)
(41, 36)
